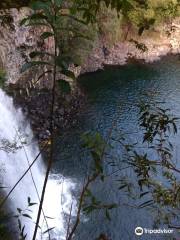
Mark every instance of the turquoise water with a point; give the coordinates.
(114, 94)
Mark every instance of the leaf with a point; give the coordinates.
(46, 35)
(29, 200)
(88, 193)
(19, 210)
(143, 194)
(48, 230)
(38, 54)
(98, 166)
(49, 217)
(89, 209)
(43, 74)
(96, 156)
(37, 24)
(123, 186)
(145, 204)
(102, 178)
(22, 231)
(19, 224)
(29, 65)
(60, 62)
(97, 159)
(38, 5)
(23, 21)
(64, 86)
(175, 128)
(32, 204)
(26, 215)
(107, 215)
(33, 18)
(68, 73)
(58, 2)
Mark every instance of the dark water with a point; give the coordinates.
(113, 94)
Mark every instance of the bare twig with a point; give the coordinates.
(90, 179)
(85, 188)
(51, 137)
(69, 221)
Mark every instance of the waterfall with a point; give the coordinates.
(17, 150)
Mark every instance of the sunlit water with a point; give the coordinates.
(114, 93)
(18, 151)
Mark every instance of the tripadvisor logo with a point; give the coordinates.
(139, 231)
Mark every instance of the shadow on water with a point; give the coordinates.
(114, 93)
(116, 76)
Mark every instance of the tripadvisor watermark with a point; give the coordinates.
(139, 231)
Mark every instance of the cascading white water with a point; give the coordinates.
(17, 151)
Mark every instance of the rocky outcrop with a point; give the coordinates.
(13, 41)
(37, 108)
(160, 41)
(16, 42)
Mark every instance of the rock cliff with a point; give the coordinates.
(160, 41)
(17, 41)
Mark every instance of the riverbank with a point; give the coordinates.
(153, 44)
(36, 105)
(19, 41)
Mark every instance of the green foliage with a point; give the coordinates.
(31, 64)
(64, 86)
(96, 145)
(141, 46)
(71, 26)
(110, 18)
(155, 183)
(76, 37)
(96, 205)
(156, 121)
(109, 25)
(60, 25)
(160, 193)
(81, 23)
